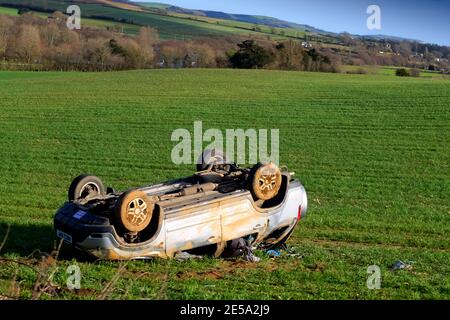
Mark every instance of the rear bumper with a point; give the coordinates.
(80, 224)
(96, 236)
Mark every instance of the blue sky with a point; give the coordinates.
(423, 20)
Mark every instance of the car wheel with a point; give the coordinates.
(85, 186)
(214, 157)
(134, 210)
(265, 181)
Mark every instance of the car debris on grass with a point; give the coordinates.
(400, 265)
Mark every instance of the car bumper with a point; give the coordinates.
(96, 236)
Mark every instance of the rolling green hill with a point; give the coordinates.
(252, 19)
(101, 23)
(8, 11)
(179, 23)
(157, 5)
(171, 25)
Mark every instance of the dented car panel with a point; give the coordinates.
(205, 219)
(192, 227)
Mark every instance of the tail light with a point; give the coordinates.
(299, 216)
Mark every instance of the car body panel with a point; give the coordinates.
(193, 227)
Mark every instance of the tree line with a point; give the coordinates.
(29, 42)
(32, 43)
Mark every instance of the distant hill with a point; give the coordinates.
(173, 22)
(122, 4)
(260, 20)
(133, 15)
(254, 19)
(378, 37)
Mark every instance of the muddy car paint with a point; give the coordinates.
(188, 222)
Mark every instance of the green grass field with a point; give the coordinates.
(9, 11)
(372, 150)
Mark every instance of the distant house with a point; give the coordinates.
(306, 44)
(416, 55)
(53, 19)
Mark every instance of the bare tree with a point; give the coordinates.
(50, 34)
(290, 55)
(96, 53)
(5, 26)
(173, 53)
(29, 46)
(146, 39)
(147, 36)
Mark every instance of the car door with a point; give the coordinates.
(193, 227)
(240, 219)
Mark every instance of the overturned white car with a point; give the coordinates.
(203, 213)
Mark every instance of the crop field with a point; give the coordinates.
(373, 152)
(127, 28)
(8, 11)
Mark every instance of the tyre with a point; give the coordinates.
(213, 157)
(133, 211)
(85, 186)
(265, 181)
